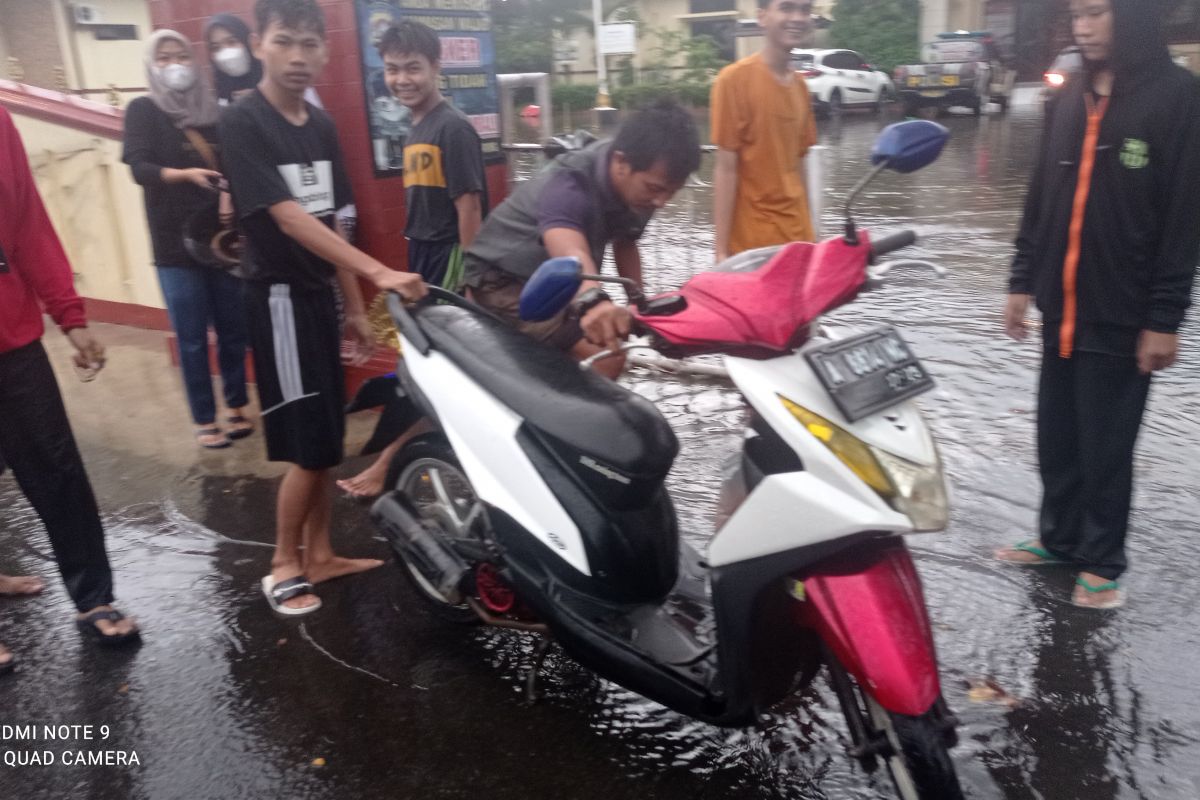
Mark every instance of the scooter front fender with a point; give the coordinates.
(867, 605)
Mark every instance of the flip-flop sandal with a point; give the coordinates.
(1044, 556)
(213, 431)
(236, 432)
(279, 593)
(87, 626)
(1107, 586)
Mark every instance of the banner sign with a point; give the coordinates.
(468, 72)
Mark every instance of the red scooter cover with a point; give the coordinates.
(772, 306)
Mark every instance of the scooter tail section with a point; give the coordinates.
(874, 621)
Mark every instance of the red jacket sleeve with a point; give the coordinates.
(37, 255)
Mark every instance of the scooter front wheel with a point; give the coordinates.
(919, 761)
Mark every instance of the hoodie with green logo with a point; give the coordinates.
(1139, 243)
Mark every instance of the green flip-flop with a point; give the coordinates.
(1045, 557)
(1107, 586)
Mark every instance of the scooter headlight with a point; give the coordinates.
(918, 492)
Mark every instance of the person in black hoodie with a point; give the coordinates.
(1108, 248)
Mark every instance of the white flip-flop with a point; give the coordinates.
(279, 593)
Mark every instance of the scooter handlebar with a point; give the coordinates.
(891, 243)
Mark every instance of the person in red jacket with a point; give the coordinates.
(35, 436)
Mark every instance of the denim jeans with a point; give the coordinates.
(197, 296)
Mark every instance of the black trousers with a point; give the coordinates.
(1089, 412)
(39, 447)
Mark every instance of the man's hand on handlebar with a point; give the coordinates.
(408, 285)
(606, 325)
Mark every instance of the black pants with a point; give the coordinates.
(37, 443)
(1089, 412)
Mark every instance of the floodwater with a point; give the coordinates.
(374, 698)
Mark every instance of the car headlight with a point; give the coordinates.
(915, 490)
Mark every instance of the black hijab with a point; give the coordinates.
(227, 84)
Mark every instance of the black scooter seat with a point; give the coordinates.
(616, 427)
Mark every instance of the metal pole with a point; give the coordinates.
(601, 67)
(814, 171)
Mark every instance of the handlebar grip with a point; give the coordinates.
(891, 243)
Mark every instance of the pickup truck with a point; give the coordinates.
(959, 69)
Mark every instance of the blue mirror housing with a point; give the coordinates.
(550, 288)
(909, 146)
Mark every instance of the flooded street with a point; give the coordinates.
(373, 697)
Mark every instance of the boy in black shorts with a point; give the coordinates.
(445, 188)
(287, 178)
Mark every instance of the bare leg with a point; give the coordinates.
(6, 656)
(298, 494)
(19, 585)
(320, 563)
(369, 482)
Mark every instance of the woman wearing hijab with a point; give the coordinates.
(171, 146)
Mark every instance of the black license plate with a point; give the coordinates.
(869, 372)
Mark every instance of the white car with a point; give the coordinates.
(840, 79)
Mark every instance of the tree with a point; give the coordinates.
(524, 29)
(884, 31)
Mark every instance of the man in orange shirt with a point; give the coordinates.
(762, 124)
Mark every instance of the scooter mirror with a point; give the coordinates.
(550, 288)
(909, 146)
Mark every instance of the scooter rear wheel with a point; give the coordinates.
(919, 763)
(428, 473)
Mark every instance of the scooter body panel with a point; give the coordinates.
(483, 433)
(867, 605)
(768, 522)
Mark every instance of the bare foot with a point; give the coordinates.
(368, 483)
(286, 572)
(107, 627)
(338, 567)
(1022, 554)
(6, 657)
(20, 585)
(1090, 596)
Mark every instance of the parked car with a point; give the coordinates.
(839, 79)
(959, 69)
(1066, 64)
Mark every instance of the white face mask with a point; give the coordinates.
(178, 77)
(233, 61)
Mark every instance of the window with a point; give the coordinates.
(708, 6)
(842, 59)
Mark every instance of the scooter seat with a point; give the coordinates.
(615, 427)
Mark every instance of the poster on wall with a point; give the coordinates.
(468, 73)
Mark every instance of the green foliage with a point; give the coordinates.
(701, 57)
(690, 93)
(524, 29)
(885, 32)
(575, 96)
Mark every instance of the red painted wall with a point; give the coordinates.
(380, 201)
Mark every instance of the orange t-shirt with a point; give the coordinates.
(770, 126)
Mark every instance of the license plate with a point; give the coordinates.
(950, 80)
(914, 80)
(932, 93)
(869, 372)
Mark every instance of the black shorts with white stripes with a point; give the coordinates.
(297, 364)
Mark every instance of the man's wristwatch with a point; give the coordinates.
(587, 301)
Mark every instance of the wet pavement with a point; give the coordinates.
(374, 698)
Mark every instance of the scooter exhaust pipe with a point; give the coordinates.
(424, 549)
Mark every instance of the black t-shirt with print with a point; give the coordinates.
(443, 160)
(269, 160)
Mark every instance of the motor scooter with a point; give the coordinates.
(539, 501)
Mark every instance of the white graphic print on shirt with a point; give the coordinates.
(311, 185)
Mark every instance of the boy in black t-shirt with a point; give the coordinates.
(445, 188)
(445, 191)
(287, 178)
